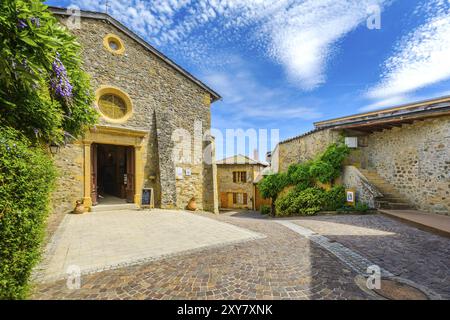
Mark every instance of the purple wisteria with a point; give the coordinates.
(60, 83)
(36, 22)
(21, 24)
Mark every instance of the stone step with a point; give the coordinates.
(391, 198)
(113, 207)
(393, 206)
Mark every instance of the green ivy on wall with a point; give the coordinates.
(306, 198)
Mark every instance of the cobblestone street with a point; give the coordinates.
(283, 265)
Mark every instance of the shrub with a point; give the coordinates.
(265, 210)
(46, 96)
(26, 180)
(305, 203)
(272, 185)
(300, 174)
(334, 198)
(322, 171)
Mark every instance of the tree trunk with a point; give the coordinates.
(273, 207)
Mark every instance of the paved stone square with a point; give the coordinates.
(283, 265)
(404, 251)
(105, 240)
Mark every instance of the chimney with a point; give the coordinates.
(255, 155)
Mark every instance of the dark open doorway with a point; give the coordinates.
(112, 174)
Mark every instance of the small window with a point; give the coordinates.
(239, 176)
(113, 44)
(240, 198)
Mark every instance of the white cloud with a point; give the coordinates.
(301, 35)
(386, 103)
(304, 36)
(421, 58)
(246, 98)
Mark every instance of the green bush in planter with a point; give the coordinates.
(26, 180)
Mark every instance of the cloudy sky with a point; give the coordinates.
(283, 64)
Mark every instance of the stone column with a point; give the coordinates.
(87, 174)
(139, 175)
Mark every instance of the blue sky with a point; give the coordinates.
(288, 63)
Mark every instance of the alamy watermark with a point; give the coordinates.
(198, 146)
(374, 279)
(374, 19)
(73, 277)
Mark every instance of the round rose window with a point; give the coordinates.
(114, 104)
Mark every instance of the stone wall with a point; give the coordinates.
(415, 159)
(365, 192)
(163, 100)
(69, 184)
(303, 148)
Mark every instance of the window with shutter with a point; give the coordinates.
(245, 198)
(234, 198)
(240, 198)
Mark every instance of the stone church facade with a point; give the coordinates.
(142, 98)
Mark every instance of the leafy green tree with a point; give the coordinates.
(44, 93)
(271, 186)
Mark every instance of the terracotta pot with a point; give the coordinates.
(79, 208)
(192, 205)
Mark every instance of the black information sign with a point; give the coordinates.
(146, 197)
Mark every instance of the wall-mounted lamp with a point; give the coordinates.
(54, 148)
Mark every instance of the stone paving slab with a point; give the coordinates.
(283, 265)
(105, 240)
(407, 252)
